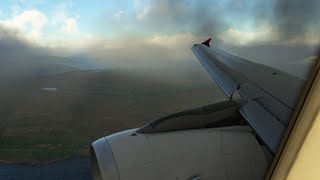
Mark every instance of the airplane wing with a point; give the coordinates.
(213, 141)
(270, 94)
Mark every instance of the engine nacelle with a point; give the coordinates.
(215, 153)
(210, 142)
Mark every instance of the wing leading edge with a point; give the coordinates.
(271, 94)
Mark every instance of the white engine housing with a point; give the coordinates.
(213, 153)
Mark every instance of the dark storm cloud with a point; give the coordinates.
(8, 38)
(180, 15)
(207, 20)
(13, 45)
(290, 19)
(293, 17)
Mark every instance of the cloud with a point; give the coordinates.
(175, 41)
(290, 23)
(29, 22)
(293, 17)
(261, 35)
(33, 2)
(61, 12)
(70, 26)
(8, 36)
(44, 28)
(173, 26)
(118, 14)
(142, 8)
(16, 9)
(135, 50)
(198, 17)
(15, 46)
(282, 21)
(143, 13)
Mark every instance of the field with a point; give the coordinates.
(37, 125)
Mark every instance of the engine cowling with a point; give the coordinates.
(213, 153)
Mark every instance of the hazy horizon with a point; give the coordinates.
(154, 33)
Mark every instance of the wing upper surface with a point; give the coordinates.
(273, 92)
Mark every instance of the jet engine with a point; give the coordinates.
(211, 142)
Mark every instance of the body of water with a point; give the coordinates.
(76, 168)
(50, 89)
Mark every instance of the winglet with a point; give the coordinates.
(207, 42)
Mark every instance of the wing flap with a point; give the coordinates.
(267, 127)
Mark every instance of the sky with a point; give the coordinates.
(145, 29)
